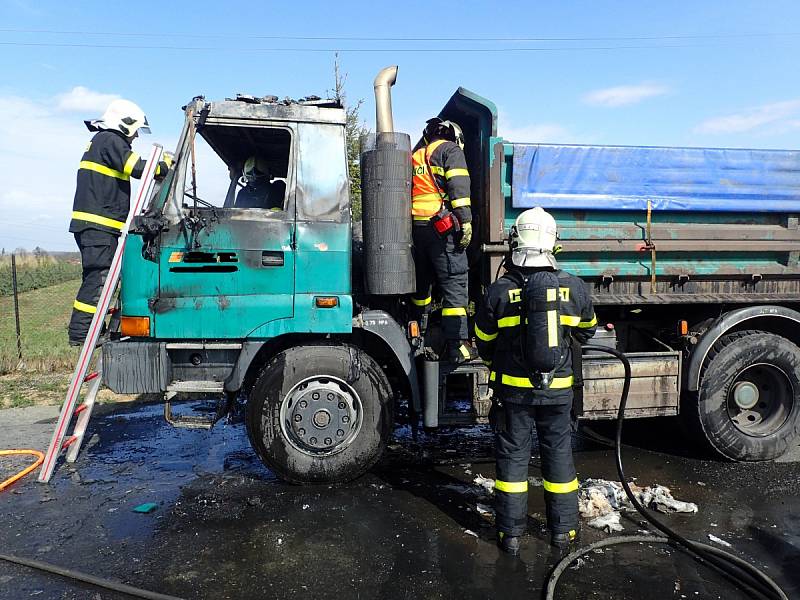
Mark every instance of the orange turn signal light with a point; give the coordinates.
(326, 301)
(683, 327)
(134, 326)
(413, 329)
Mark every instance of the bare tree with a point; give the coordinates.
(354, 129)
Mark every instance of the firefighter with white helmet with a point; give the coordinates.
(257, 189)
(102, 201)
(442, 231)
(535, 309)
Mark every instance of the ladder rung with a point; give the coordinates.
(69, 441)
(81, 408)
(92, 375)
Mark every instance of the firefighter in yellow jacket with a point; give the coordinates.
(102, 202)
(442, 231)
(505, 328)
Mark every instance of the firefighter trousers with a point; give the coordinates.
(439, 261)
(513, 426)
(97, 251)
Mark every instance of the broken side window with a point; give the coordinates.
(240, 168)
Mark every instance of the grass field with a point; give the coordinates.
(47, 358)
(44, 315)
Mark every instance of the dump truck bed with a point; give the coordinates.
(721, 225)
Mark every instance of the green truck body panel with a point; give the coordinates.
(243, 299)
(252, 274)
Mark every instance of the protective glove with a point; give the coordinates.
(497, 416)
(168, 158)
(466, 235)
(164, 165)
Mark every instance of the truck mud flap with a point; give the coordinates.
(135, 367)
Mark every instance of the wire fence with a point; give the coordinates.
(36, 295)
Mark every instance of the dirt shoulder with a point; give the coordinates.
(20, 389)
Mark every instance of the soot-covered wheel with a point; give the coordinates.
(748, 404)
(320, 414)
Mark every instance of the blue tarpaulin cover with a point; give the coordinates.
(683, 179)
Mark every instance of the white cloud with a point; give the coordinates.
(625, 95)
(40, 147)
(84, 100)
(536, 133)
(778, 115)
(542, 133)
(41, 143)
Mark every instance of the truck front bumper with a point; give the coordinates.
(154, 366)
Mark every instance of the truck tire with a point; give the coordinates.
(748, 403)
(320, 414)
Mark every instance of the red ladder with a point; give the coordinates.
(72, 444)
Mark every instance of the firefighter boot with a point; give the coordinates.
(461, 352)
(508, 543)
(564, 540)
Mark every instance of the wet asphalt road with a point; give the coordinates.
(225, 527)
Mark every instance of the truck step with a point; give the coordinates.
(203, 346)
(189, 421)
(211, 387)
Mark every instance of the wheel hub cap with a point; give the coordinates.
(760, 399)
(321, 415)
(745, 394)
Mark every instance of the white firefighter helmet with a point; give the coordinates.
(533, 239)
(255, 169)
(458, 134)
(447, 130)
(123, 116)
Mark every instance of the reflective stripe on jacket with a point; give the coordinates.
(103, 190)
(448, 171)
(498, 334)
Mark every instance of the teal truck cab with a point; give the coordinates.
(691, 256)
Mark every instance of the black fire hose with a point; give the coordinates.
(86, 578)
(741, 573)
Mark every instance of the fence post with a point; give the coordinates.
(16, 304)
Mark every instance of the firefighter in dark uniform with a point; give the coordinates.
(258, 191)
(442, 230)
(517, 403)
(102, 202)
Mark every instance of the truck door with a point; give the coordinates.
(228, 268)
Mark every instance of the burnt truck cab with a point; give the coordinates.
(220, 271)
(215, 290)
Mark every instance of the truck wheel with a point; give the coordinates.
(320, 414)
(748, 403)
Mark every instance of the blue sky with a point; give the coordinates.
(702, 73)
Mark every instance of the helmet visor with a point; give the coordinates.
(528, 257)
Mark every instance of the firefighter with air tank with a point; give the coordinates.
(102, 201)
(442, 230)
(529, 325)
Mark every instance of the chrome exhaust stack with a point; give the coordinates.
(384, 123)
